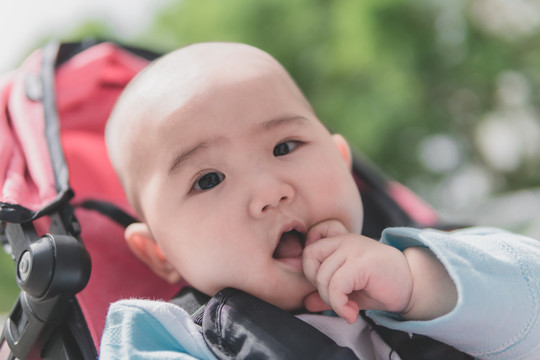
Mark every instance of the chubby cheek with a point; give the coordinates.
(208, 258)
(337, 196)
(201, 270)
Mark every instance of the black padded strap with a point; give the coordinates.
(236, 325)
(193, 302)
(110, 210)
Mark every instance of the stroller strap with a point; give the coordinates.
(236, 325)
(110, 210)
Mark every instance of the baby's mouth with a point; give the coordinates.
(291, 244)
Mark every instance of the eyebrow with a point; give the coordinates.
(266, 125)
(184, 155)
(273, 123)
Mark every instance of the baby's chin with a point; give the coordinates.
(288, 301)
(286, 295)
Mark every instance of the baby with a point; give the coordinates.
(232, 173)
(238, 184)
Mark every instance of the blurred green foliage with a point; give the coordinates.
(7, 279)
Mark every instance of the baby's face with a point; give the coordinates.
(239, 175)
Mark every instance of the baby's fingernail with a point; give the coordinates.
(312, 237)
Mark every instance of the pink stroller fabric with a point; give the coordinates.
(87, 87)
(28, 178)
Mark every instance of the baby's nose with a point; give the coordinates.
(269, 197)
(274, 203)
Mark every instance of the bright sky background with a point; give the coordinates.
(24, 22)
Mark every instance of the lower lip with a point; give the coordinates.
(294, 263)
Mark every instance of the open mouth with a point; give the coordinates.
(291, 244)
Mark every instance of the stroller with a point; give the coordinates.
(62, 209)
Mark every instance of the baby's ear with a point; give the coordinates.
(142, 244)
(344, 149)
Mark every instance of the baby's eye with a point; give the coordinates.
(285, 147)
(208, 181)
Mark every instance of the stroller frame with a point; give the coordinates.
(50, 269)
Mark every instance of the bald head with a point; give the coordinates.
(176, 81)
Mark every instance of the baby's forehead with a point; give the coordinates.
(192, 77)
(180, 79)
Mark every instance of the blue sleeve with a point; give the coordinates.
(497, 276)
(151, 330)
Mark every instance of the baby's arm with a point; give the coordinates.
(497, 276)
(353, 272)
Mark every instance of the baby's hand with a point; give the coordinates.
(353, 272)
